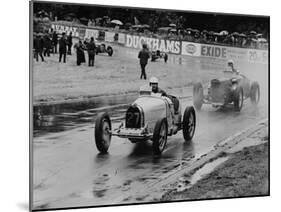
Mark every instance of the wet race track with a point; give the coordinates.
(69, 171)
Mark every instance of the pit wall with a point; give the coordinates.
(169, 46)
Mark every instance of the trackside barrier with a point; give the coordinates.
(165, 45)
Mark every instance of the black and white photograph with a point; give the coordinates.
(144, 105)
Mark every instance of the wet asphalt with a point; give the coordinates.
(68, 170)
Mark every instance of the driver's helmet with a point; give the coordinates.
(230, 62)
(153, 82)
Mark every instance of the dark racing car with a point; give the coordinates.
(101, 48)
(231, 89)
(155, 55)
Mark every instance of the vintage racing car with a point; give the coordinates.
(232, 88)
(158, 55)
(151, 117)
(101, 48)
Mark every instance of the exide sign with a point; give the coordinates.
(213, 51)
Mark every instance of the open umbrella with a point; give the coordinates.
(117, 22)
(189, 29)
(253, 32)
(84, 19)
(196, 31)
(235, 34)
(172, 25)
(224, 32)
(262, 40)
(173, 30)
(137, 26)
(145, 26)
(242, 35)
(164, 29)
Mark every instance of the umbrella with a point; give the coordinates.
(189, 29)
(262, 40)
(217, 34)
(172, 25)
(253, 32)
(117, 22)
(164, 28)
(235, 34)
(196, 30)
(242, 35)
(145, 26)
(254, 40)
(137, 26)
(173, 30)
(224, 32)
(71, 14)
(84, 19)
(45, 19)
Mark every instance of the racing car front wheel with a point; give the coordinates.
(160, 136)
(238, 99)
(255, 93)
(198, 96)
(102, 132)
(188, 123)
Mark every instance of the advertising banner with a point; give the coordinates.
(67, 29)
(235, 53)
(213, 51)
(190, 49)
(258, 56)
(92, 33)
(168, 46)
(109, 36)
(121, 38)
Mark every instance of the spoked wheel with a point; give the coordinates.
(189, 123)
(160, 136)
(239, 99)
(103, 132)
(255, 93)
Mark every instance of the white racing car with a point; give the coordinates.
(150, 117)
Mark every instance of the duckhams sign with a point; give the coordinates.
(169, 46)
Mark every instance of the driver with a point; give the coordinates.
(230, 64)
(153, 83)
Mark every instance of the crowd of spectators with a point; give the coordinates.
(174, 31)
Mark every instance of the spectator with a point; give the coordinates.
(69, 43)
(91, 47)
(38, 47)
(143, 57)
(47, 45)
(55, 42)
(62, 48)
(80, 53)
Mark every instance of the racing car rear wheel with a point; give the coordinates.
(109, 51)
(238, 99)
(188, 123)
(102, 132)
(255, 93)
(160, 136)
(198, 95)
